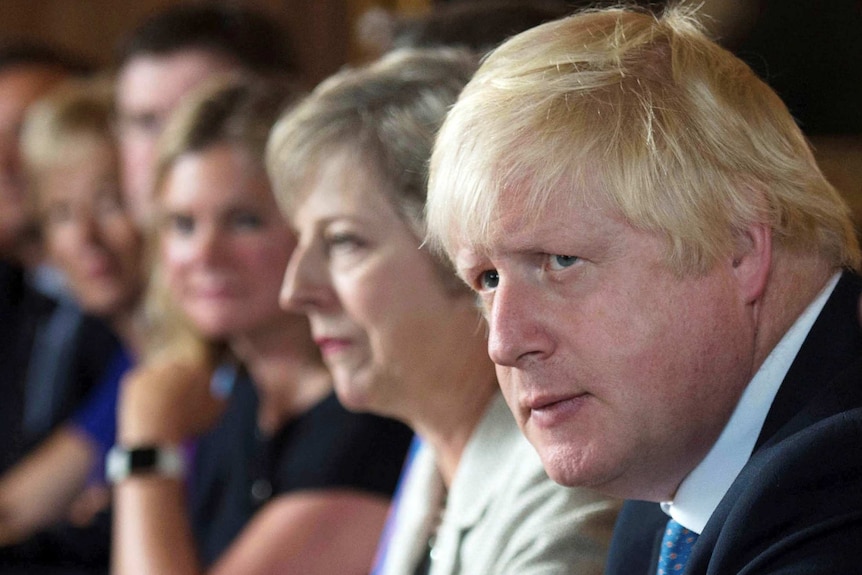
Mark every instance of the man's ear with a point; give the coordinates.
(752, 260)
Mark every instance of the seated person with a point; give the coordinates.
(671, 287)
(71, 159)
(401, 333)
(68, 351)
(325, 476)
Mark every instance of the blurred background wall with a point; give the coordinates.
(319, 30)
(809, 50)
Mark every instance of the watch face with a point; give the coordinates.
(163, 460)
(142, 459)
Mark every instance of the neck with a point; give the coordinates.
(29, 251)
(128, 327)
(796, 281)
(447, 418)
(286, 369)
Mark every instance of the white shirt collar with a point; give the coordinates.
(701, 491)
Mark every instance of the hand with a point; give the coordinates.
(38, 490)
(167, 402)
(10, 532)
(88, 504)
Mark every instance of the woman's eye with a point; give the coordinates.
(558, 262)
(247, 221)
(489, 279)
(343, 241)
(183, 225)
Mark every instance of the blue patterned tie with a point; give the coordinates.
(675, 548)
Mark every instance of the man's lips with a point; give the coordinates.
(551, 411)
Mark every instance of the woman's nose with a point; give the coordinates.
(305, 285)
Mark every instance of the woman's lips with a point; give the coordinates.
(97, 267)
(331, 345)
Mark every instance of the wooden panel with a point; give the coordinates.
(92, 28)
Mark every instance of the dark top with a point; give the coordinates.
(236, 471)
(796, 506)
(22, 308)
(330, 447)
(97, 416)
(51, 356)
(220, 482)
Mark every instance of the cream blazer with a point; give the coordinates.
(503, 515)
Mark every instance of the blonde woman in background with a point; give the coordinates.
(325, 475)
(72, 165)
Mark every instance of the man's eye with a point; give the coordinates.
(558, 262)
(489, 279)
(148, 123)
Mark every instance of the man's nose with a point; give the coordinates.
(516, 329)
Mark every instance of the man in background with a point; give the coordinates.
(159, 64)
(169, 55)
(29, 290)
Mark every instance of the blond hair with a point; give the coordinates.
(646, 115)
(64, 126)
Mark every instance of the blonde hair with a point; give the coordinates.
(386, 115)
(237, 111)
(64, 126)
(643, 114)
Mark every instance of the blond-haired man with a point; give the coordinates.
(667, 279)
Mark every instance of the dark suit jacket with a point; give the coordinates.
(796, 506)
(25, 313)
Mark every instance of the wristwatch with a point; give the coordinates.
(160, 460)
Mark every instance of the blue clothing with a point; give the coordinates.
(220, 479)
(97, 417)
(51, 357)
(796, 506)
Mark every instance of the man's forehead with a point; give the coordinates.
(518, 227)
(510, 232)
(173, 74)
(24, 83)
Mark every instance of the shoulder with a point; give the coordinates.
(796, 503)
(538, 525)
(329, 446)
(349, 434)
(542, 509)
